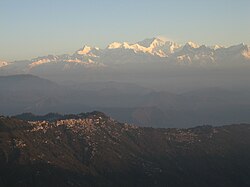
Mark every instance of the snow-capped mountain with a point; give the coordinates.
(154, 46)
(154, 50)
(66, 60)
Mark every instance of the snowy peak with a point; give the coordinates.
(160, 47)
(152, 46)
(192, 45)
(246, 52)
(3, 63)
(152, 42)
(83, 57)
(85, 50)
(124, 45)
(42, 60)
(215, 47)
(114, 45)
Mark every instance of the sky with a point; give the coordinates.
(31, 28)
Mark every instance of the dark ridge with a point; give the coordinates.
(55, 116)
(33, 117)
(22, 77)
(17, 76)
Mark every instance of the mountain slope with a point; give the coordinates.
(92, 149)
(25, 92)
(25, 81)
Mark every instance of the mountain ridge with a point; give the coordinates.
(147, 51)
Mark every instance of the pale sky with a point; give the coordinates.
(31, 28)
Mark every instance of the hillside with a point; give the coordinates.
(91, 149)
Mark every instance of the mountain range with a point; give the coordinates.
(149, 51)
(126, 102)
(92, 149)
